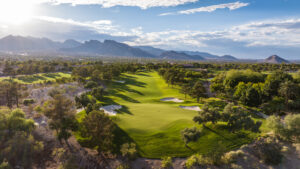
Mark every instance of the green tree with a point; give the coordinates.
(190, 134)
(207, 115)
(98, 128)
(185, 89)
(198, 91)
(238, 119)
(289, 90)
(59, 109)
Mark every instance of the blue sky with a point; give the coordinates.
(251, 29)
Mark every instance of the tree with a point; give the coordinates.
(198, 90)
(252, 97)
(289, 90)
(190, 134)
(17, 144)
(238, 119)
(62, 116)
(83, 101)
(288, 129)
(98, 92)
(273, 82)
(185, 89)
(207, 115)
(98, 129)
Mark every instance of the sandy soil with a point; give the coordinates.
(194, 108)
(110, 110)
(171, 99)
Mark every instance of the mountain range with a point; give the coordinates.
(107, 48)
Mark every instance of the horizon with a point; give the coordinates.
(246, 29)
(178, 51)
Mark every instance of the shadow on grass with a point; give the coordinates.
(31, 78)
(109, 101)
(52, 75)
(121, 137)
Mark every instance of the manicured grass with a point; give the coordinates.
(155, 125)
(37, 78)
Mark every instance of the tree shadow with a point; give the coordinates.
(124, 97)
(218, 134)
(31, 78)
(52, 75)
(109, 101)
(121, 137)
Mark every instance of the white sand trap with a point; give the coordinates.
(194, 108)
(110, 110)
(79, 110)
(120, 81)
(171, 99)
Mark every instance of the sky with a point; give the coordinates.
(249, 29)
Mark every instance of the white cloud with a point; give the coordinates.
(283, 33)
(144, 4)
(100, 26)
(212, 8)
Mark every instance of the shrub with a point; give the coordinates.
(123, 166)
(28, 101)
(269, 151)
(190, 134)
(129, 150)
(288, 130)
(5, 165)
(197, 160)
(191, 161)
(166, 162)
(231, 156)
(90, 85)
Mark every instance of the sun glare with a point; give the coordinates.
(16, 11)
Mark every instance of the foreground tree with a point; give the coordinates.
(62, 116)
(98, 128)
(288, 129)
(238, 119)
(17, 145)
(198, 91)
(207, 115)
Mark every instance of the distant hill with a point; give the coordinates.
(26, 44)
(108, 48)
(152, 50)
(179, 56)
(203, 54)
(275, 59)
(228, 58)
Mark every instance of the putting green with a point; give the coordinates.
(155, 125)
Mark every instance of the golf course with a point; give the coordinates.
(37, 78)
(155, 125)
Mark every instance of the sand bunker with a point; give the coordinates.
(120, 81)
(110, 110)
(171, 99)
(194, 108)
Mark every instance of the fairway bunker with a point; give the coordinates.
(110, 110)
(194, 108)
(120, 81)
(171, 99)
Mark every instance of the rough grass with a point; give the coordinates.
(155, 125)
(37, 78)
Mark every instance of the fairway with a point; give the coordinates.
(155, 125)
